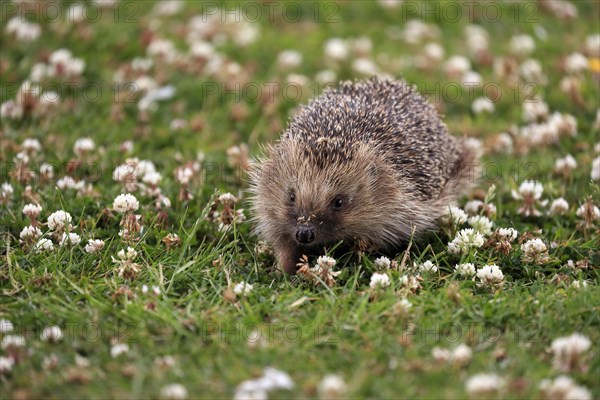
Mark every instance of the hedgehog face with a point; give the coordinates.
(317, 217)
(311, 200)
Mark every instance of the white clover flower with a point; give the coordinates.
(94, 246)
(531, 71)
(51, 334)
(43, 245)
(576, 63)
(592, 210)
(66, 182)
(440, 355)
(83, 146)
(118, 348)
(563, 387)
(416, 31)
(403, 305)
(472, 78)
(298, 80)
(76, 12)
(184, 175)
(568, 351)
(379, 280)
(461, 354)
(6, 364)
(433, 51)
(125, 173)
(6, 191)
(472, 207)
(162, 48)
(289, 59)
(152, 178)
(173, 391)
(59, 221)
(70, 239)
(457, 65)
(562, 9)
(156, 290)
(383, 262)
(24, 31)
(258, 388)
(242, 288)
(168, 8)
(201, 50)
(529, 188)
(592, 45)
(465, 240)
(125, 203)
(456, 215)
(22, 157)
(14, 341)
(390, 5)
(565, 165)
(31, 146)
(534, 110)
(128, 255)
(427, 266)
(326, 76)
(559, 206)
(481, 224)
(140, 64)
(48, 99)
(409, 282)
(530, 192)
(483, 104)
(62, 62)
(563, 124)
(32, 210)
(30, 233)
(326, 262)
(126, 147)
(477, 38)
(276, 379)
(227, 199)
(364, 66)
(579, 284)
(535, 251)
(143, 166)
(6, 326)
(332, 386)
(466, 269)
(246, 33)
(522, 44)
(336, 49)
(595, 174)
(490, 275)
(508, 234)
(47, 171)
(11, 110)
(483, 385)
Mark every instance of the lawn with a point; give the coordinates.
(129, 268)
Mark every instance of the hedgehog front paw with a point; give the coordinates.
(288, 258)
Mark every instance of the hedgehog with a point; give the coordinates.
(369, 163)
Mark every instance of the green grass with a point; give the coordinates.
(308, 331)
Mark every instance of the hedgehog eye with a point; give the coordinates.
(338, 202)
(292, 197)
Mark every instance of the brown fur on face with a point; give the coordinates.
(369, 162)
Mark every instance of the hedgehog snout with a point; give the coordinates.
(305, 234)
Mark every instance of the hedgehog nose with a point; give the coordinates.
(305, 235)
